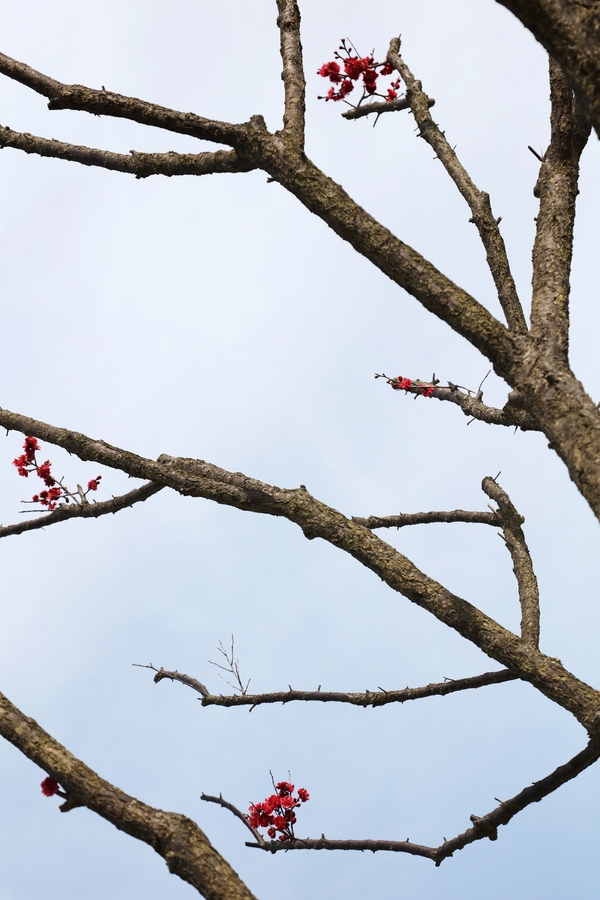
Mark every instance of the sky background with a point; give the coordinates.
(216, 318)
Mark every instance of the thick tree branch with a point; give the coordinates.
(553, 393)
(184, 847)
(139, 164)
(197, 478)
(478, 201)
(529, 595)
(288, 22)
(400, 262)
(84, 510)
(369, 698)
(427, 518)
(107, 103)
(557, 189)
(570, 32)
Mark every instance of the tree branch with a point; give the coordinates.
(184, 847)
(557, 190)
(83, 511)
(478, 201)
(236, 812)
(322, 196)
(529, 595)
(569, 31)
(400, 262)
(368, 109)
(483, 826)
(288, 22)
(192, 477)
(511, 415)
(426, 518)
(107, 103)
(369, 698)
(139, 164)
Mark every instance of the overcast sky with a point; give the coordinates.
(216, 318)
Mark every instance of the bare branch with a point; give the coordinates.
(426, 518)
(529, 595)
(197, 478)
(288, 22)
(369, 698)
(236, 812)
(185, 848)
(232, 668)
(175, 676)
(483, 827)
(107, 103)
(478, 201)
(139, 164)
(84, 510)
(368, 109)
(557, 190)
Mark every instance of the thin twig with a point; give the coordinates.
(478, 201)
(232, 668)
(236, 812)
(369, 109)
(84, 511)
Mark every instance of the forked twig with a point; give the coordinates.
(232, 668)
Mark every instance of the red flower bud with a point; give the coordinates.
(50, 787)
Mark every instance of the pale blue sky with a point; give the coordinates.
(217, 318)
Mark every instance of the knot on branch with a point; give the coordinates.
(484, 828)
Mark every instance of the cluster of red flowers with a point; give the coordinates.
(355, 68)
(49, 787)
(276, 813)
(27, 463)
(405, 384)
